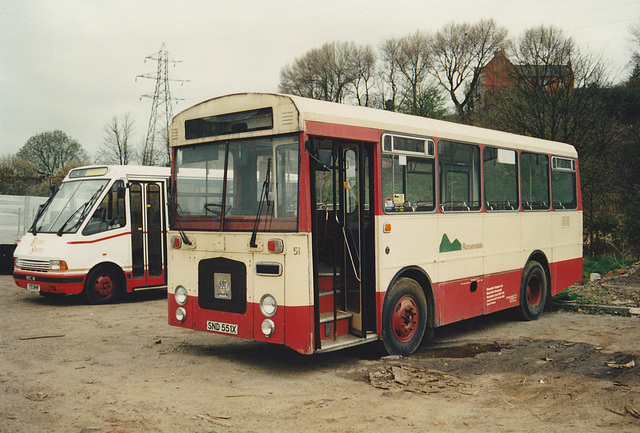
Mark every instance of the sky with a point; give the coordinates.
(72, 65)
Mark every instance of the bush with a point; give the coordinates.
(603, 264)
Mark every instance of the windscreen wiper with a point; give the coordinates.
(41, 209)
(183, 235)
(264, 196)
(84, 209)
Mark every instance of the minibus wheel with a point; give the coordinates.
(103, 285)
(404, 317)
(533, 291)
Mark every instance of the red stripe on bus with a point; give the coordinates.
(104, 239)
(98, 240)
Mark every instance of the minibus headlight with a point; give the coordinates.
(58, 265)
(180, 295)
(268, 305)
(181, 314)
(268, 327)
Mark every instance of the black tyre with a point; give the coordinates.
(104, 285)
(404, 317)
(533, 291)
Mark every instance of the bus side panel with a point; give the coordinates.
(459, 293)
(566, 268)
(459, 300)
(564, 274)
(502, 290)
(503, 262)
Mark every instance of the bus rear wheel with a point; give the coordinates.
(103, 285)
(533, 292)
(404, 317)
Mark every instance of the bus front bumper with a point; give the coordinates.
(49, 283)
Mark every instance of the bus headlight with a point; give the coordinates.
(58, 265)
(268, 327)
(268, 306)
(180, 295)
(181, 314)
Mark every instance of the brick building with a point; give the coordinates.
(500, 73)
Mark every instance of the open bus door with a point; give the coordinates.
(343, 234)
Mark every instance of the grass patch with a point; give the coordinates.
(603, 264)
(569, 295)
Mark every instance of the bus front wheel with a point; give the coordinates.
(103, 285)
(533, 292)
(404, 317)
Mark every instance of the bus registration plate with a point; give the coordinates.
(33, 287)
(225, 328)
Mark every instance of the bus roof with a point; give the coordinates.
(118, 171)
(291, 113)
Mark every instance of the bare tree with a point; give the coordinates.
(116, 146)
(389, 74)
(414, 61)
(460, 52)
(332, 73)
(635, 35)
(364, 82)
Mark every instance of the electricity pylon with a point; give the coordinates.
(156, 146)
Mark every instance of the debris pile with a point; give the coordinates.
(617, 288)
(419, 380)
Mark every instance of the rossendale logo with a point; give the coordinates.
(447, 246)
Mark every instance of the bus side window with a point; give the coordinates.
(110, 214)
(412, 179)
(500, 179)
(534, 181)
(459, 165)
(563, 183)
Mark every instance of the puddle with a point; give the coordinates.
(466, 351)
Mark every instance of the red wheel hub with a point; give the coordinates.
(103, 286)
(534, 292)
(406, 316)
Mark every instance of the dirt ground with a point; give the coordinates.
(69, 367)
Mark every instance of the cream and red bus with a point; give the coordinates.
(102, 234)
(320, 226)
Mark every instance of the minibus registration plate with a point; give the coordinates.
(225, 328)
(33, 287)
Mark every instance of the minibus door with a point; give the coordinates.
(148, 243)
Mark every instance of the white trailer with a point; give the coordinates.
(17, 212)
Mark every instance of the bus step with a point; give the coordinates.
(327, 324)
(344, 341)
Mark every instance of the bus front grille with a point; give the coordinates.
(33, 265)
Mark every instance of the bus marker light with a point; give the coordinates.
(176, 242)
(181, 314)
(386, 227)
(268, 327)
(275, 246)
(268, 305)
(180, 295)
